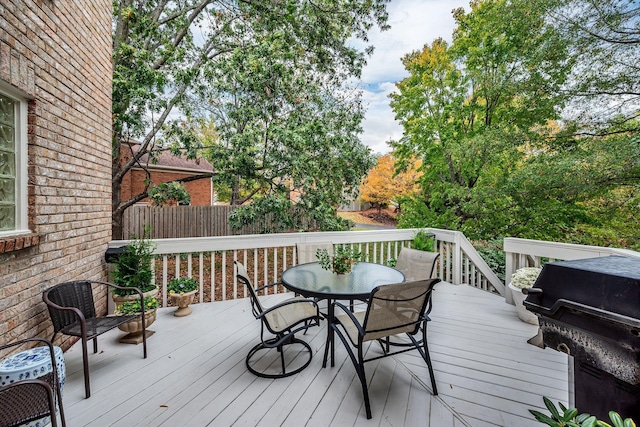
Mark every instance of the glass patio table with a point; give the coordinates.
(311, 280)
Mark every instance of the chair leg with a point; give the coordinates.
(282, 360)
(85, 367)
(95, 345)
(363, 381)
(144, 336)
(427, 358)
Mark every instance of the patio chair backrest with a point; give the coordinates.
(397, 308)
(416, 264)
(78, 294)
(244, 277)
(307, 251)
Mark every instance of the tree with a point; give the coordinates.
(169, 193)
(469, 110)
(385, 183)
(518, 136)
(283, 129)
(604, 37)
(164, 51)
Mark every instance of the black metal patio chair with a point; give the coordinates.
(31, 399)
(279, 323)
(391, 309)
(72, 310)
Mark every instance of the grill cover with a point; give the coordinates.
(590, 309)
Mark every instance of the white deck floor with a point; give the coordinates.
(486, 373)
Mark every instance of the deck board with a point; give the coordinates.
(486, 373)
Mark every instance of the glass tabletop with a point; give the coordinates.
(311, 280)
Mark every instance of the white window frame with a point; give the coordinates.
(22, 210)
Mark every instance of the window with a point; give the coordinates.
(13, 162)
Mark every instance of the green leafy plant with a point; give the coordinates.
(132, 307)
(492, 251)
(342, 260)
(182, 285)
(169, 193)
(568, 417)
(424, 241)
(133, 268)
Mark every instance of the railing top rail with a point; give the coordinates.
(254, 241)
(565, 251)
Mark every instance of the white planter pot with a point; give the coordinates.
(518, 299)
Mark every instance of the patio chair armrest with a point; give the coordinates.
(285, 303)
(113, 285)
(267, 286)
(351, 316)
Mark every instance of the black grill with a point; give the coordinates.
(590, 309)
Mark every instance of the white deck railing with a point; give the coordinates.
(530, 253)
(266, 256)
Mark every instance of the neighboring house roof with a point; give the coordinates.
(167, 161)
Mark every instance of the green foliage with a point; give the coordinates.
(271, 73)
(181, 285)
(277, 214)
(568, 417)
(489, 117)
(133, 268)
(133, 306)
(169, 192)
(424, 241)
(344, 257)
(492, 252)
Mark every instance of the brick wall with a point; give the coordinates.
(200, 190)
(59, 54)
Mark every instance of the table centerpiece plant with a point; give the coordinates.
(524, 278)
(181, 291)
(343, 259)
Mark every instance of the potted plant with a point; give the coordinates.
(134, 327)
(181, 291)
(424, 241)
(563, 416)
(133, 270)
(342, 260)
(524, 278)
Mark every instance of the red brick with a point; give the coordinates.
(61, 61)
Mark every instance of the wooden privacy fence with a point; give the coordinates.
(186, 221)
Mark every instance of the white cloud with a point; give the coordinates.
(414, 23)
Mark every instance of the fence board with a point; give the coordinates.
(186, 221)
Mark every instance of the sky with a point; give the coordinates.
(414, 23)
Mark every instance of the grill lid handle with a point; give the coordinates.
(532, 291)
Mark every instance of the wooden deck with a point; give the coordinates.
(486, 373)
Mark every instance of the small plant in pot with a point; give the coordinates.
(181, 291)
(133, 272)
(424, 241)
(524, 278)
(342, 260)
(134, 328)
(133, 268)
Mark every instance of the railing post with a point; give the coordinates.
(457, 258)
(510, 268)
